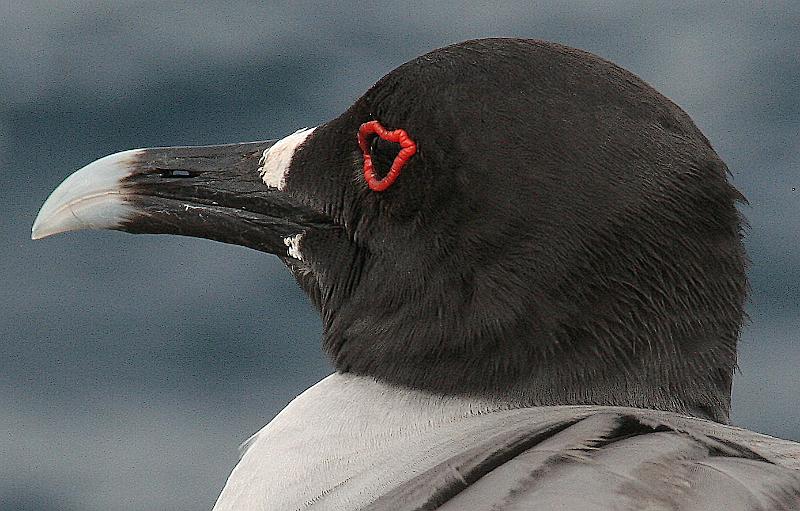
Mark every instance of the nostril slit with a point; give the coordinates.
(179, 173)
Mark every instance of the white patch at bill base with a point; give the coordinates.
(293, 244)
(274, 163)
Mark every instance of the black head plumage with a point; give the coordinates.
(564, 234)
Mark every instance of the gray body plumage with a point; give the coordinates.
(351, 443)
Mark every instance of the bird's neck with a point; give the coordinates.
(692, 389)
(690, 383)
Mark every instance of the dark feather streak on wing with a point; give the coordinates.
(602, 461)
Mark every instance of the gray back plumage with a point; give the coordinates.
(608, 459)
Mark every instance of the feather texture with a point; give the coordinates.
(352, 443)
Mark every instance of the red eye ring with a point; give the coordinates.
(398, 136)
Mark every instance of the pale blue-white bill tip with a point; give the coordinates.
(88, 199)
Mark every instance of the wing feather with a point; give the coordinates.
(611, 459)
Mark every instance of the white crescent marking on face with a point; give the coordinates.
(274, 164)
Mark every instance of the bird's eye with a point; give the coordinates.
(383, 153)
(383, 160)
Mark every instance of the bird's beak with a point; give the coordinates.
(212, 192)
